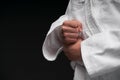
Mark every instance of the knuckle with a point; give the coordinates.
(77, 23)
(76, 30)
(66, 39)
(63, 28)
(74, 40)
(80, 24)
(65, 22)
(76, 35)
(65, 34)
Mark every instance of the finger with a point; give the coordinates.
(71, 35)
(80, 35)
(80, 28)
(67, 41)
(69, 29)
(72, 23)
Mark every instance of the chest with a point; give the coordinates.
(96, 15)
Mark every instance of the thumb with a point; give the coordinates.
(79, 28)
(80, 32)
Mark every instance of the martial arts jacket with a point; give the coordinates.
(100, 48)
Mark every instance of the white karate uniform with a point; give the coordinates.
(101, 48)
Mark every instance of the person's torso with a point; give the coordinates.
(96, 16)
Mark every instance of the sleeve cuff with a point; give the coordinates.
(52, 45)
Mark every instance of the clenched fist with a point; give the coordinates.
(70, 31)
(71, 39)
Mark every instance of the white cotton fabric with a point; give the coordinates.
(101, 47)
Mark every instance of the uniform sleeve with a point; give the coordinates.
(101, 53)
(52, 44)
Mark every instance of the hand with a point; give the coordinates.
(71, 39)
(73, 51)
(70, 30)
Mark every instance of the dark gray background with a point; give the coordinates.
(23, 26)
